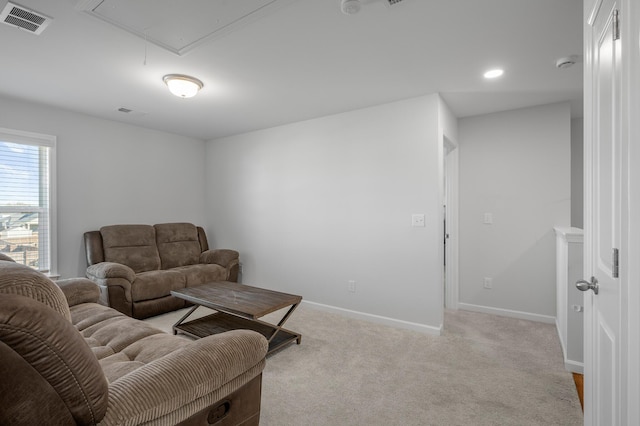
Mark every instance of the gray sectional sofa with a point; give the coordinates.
(137, 266)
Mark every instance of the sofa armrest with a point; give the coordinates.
(222, 257)
(115, 281)
(187, 380)
(104, 270)
(228, 259)
(79, 290)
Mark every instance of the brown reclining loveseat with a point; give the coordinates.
(137, 266)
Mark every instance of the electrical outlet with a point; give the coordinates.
(417, 220)
(351, 286)
(488, 283)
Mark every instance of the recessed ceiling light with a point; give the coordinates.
(493, 73)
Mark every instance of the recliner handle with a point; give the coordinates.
(219, 413)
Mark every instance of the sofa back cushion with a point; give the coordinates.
(24, 281)
(131, 245)
(178, 244)
(51, 369)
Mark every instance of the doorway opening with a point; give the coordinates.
(450, 226)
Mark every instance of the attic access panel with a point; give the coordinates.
(179, 25)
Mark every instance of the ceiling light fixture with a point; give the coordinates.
(182, 86)
(350, 7)
(493, 73)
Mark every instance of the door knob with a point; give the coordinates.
(583, 285)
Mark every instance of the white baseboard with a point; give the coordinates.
(507, 313)
(392, 322)
(569, 365)
(574, 366)
(564, 350)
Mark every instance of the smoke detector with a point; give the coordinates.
(566, 61)
(350, 7)
(24, 18)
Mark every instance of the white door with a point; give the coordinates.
(603, 216)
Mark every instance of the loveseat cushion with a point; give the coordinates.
(178, 244)
(131, 245)
(201, 274)
(55, 350)
(155, 284)
(16, 279)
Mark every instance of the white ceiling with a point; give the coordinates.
(302, 60)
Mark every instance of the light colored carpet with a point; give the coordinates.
(483, 370)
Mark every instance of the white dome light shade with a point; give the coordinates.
(182, 86)
(493, 73)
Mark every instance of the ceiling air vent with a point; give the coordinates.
(24, 18)
(132, 112)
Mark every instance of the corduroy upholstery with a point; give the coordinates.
(137, 266)
(98, 366)
(56, 359)
(15, 279)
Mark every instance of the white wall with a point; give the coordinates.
(515, 165)
(448, 122)
(315, 204)
(577, 172)
(111, 173)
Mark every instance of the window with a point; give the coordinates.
(27, 201)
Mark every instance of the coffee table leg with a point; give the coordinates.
(282, 321)
(184, 317)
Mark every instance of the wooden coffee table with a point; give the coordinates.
(237, 307)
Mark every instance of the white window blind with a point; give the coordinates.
(27, 233)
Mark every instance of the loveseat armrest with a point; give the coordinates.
(222, 257)
(180, 384)
(228, 259)
(79, 290)
(104, 270)
(115, 281)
